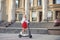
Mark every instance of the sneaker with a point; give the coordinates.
(21, 33)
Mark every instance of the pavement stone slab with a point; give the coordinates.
(5, 36)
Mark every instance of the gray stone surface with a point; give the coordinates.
(35, 37)
(36, 28)
(35, 25)
(18, 29)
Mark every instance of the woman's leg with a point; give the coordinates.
(23, 30)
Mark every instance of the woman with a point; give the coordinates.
(24, 24)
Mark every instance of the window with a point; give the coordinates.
(49, 15)
(19, 16)
(34, 16)
(31, 2)
(39, 2)
(56, 1)
(16, 3)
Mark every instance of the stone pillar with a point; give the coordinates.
(0, 11)
(27, 8)
(35, 3)
(23, 3)
(44, 10)
(54, 15)
(11, 10)
(17, 17)
(37, 16)
(30, 16)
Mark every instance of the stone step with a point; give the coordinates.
(35, 25)
(17, 30)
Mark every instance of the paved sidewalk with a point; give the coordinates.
(35, 37)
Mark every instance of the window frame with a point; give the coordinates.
(34, 18)
(31, 3)
(39, 2)
(55, 2)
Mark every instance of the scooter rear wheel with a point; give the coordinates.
(20, 36)
(30, 36)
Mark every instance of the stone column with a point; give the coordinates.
(35, 3)
(11, 10)
(0, 11)
(27, 8)
(54, 15)
(44, 10)
(30, 16)
(23, 3)
(37, 16)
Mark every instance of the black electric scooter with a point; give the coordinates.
(29, 35)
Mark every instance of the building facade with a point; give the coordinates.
(39, 10)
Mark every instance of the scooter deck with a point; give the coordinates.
(30, 36)
(24, 36)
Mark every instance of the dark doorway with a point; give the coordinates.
(57, 14)
(40, 16)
